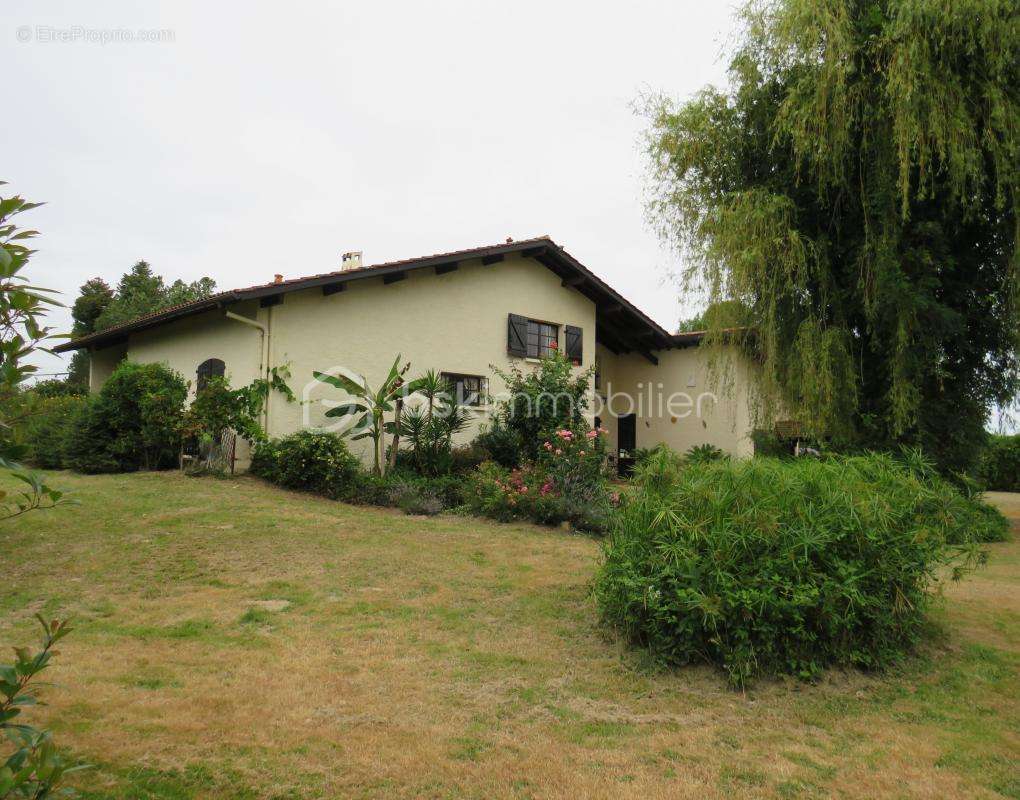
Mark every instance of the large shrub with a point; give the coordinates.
(543, 400)
(133, 423)
(1000, 464)
(47, 429)
(769, 566)
(307, 460)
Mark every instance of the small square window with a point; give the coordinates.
(468, 390)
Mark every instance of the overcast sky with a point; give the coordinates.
(270, 138)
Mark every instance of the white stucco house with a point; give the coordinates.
(459, 313)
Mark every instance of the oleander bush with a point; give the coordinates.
(999, 468)
(309, 461)
(133, 423)
(566, 483)
(772, 566)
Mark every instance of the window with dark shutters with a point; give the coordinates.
(575, 344)
(517, 335)
(211, 367)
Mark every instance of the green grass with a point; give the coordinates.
(236, 641)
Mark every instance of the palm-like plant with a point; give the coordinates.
(368, 407)
(429, 427)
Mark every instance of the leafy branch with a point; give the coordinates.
(35, 768)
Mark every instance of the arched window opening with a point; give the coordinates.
(211, 367)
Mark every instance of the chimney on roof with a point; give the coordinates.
(351, 260)
(278, 278)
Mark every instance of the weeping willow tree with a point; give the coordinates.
(856, 189)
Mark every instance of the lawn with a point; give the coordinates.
(237, 641)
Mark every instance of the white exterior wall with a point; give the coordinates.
(677, 402)
(102, 363)
(455, 322)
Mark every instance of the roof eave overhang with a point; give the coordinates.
(619, 323)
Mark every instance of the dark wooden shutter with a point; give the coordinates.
(575, 344)
(517, 335)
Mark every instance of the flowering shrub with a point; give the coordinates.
(551, 397)
(508, 494)
(575, 460)
(565, 484)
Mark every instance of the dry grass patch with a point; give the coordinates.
(238, 641)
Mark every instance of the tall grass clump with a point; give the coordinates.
(772, 566)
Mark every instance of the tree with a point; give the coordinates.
(35, 767)
(142, 291)
(93, 298)
(856, 188)
(23, 309)
(720, 314)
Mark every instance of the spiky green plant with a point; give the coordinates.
(429, 427)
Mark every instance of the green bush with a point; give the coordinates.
(412, 497)
(47, 429)
(999, 469)
(59, 388)
(133, 423)
(501, 444)
(468, 457)
(770, 566)
(367, 489)
(405, 489)
(309, 461)
(542, 400)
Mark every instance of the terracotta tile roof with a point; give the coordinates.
(543, 248)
